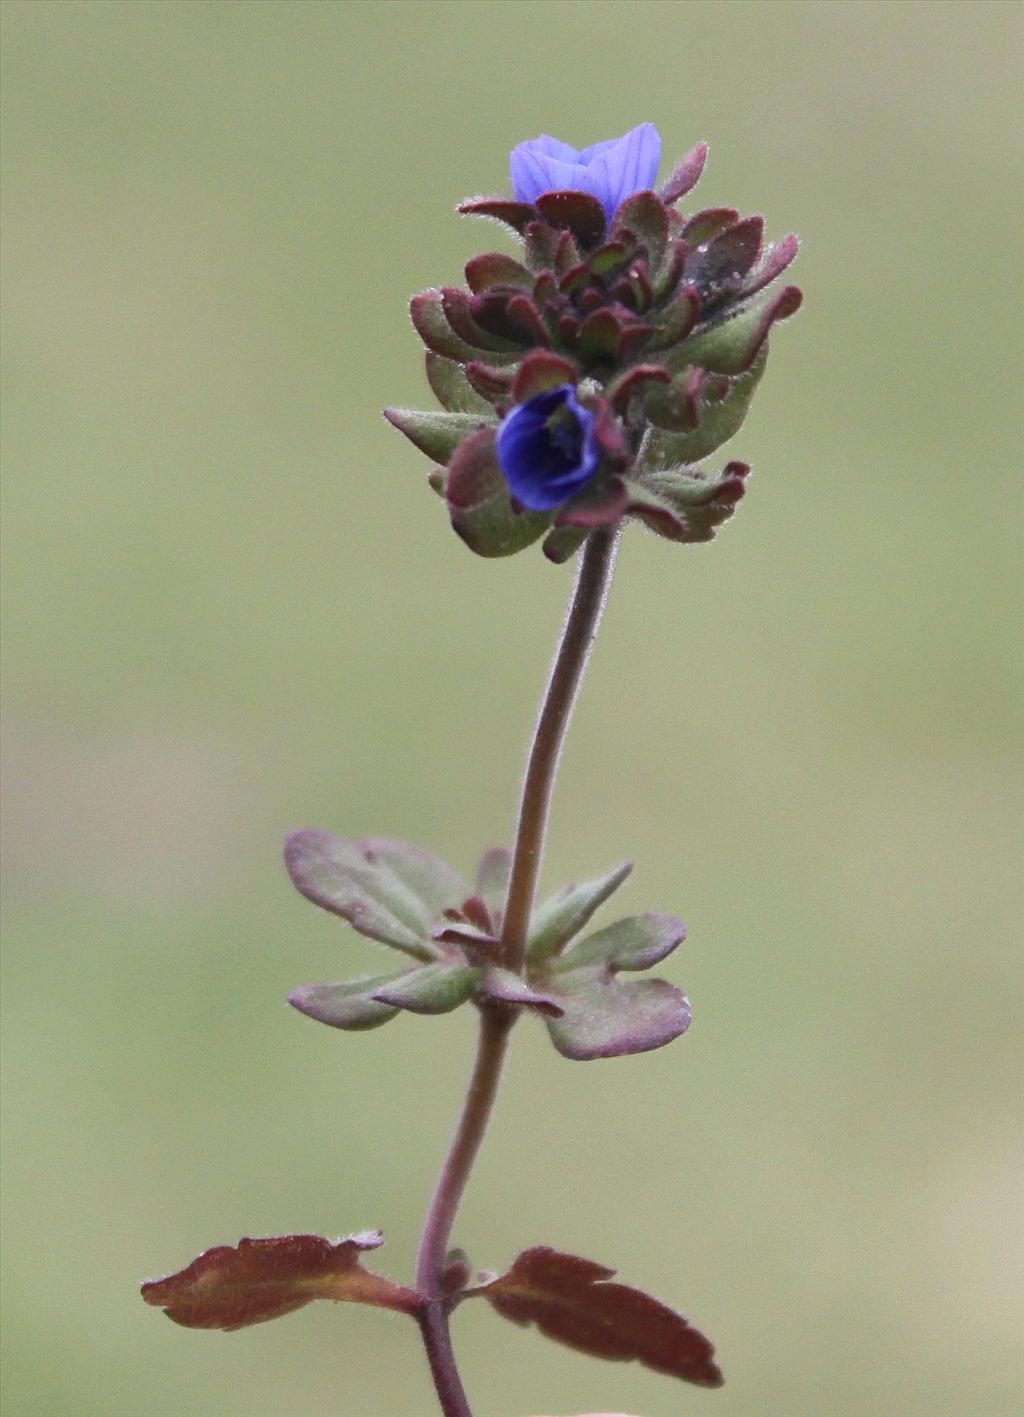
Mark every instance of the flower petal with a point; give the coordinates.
(627, 166)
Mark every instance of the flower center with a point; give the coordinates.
(564, 434)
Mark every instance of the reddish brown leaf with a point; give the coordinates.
(571, 1300)
(231, 1287)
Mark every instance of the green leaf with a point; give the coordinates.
(435, 433)
(730, 345)
(637, 942)
(568, 910)
(492, 878)
(563, 542)
(433, 989)
(452, 389)
(718, 421)
(350, 1005)
(645, 216)
(509, 988)
(603, 1018)
(480, 504)
(435, 885)
(390, 891)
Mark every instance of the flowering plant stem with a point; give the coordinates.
(581, 625)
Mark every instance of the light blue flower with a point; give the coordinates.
(610, 171)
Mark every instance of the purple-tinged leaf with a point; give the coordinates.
(730, 345)
(677, 319)
(562, 543)
(774, 261)
(541, 371)
(432, 881)
(492, 878)
(704, 225)
(708, 423)
(231, 1287)
(604, 1018)
(609, 257)
(542, 244)
(670, 273)
(387, 891)
(452, 389)
(478, 946)
(350, 1005)
(723, 260)
(572, 1301)
(492, 384)
(595, 506)
(474, 908)
(565, 913)
(514, 214)
(481, 506)
(644, 216)
(456, 1273)
(635, 381)
(432, 326)
(525, 321)
(495, 268)
(638, 942)
(687, 504)
(634, 337)
(600, 335)
(578, 212)
(437, 434)
(686, 175)
(507, 988)
(432, 989)
(459, 313)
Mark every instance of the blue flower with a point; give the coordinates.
(547, 449)
(610, 171)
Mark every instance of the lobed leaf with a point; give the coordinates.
(572, 1301)
(231, 1287)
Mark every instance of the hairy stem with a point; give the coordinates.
(581, 625)
(582, 621)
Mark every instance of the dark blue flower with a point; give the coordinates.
(547, 449)
(610, 171)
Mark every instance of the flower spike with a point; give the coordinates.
(583, 381)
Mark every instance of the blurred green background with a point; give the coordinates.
(234, 607)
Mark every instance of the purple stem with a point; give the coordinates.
(581, 625)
